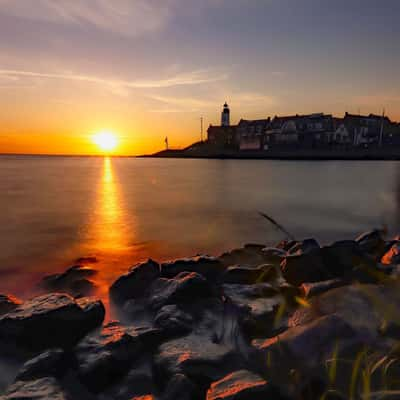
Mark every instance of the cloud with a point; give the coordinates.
(243, 101)
(126, 17)
(121, 86)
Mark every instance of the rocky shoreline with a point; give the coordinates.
(295, 321)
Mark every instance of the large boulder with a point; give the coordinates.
(138, 381)
(209, 267)
(352, 304)
(8, 303)
(372, 242)
(173, 320)
(40, 389)
(242, 385)
(304, 346)
(258, 304)
(186, 287)
(105, 356)
(73, 281)
(198, 357)
(52, 320)
(341, 257)
(136, 282)
(304, 267)
(338, 260)
(50, 363)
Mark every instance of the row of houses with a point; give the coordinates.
(305, 131)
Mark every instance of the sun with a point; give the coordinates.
(106, 141)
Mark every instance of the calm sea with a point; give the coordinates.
(123, 210)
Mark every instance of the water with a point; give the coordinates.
(124, 210)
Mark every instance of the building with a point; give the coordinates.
(223, 136)
(225, 116)
(298, 130)
(366, 130)
(308, 131)
(251, 134)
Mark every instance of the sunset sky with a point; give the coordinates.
(146, 69)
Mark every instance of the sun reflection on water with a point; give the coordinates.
(111, 237)
(111, 230)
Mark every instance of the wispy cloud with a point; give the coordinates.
(244, 101)
(120, 86)
(126, 17)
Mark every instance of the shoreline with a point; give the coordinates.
(287, 155)
(205, 326)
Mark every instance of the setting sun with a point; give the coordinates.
(106, 141)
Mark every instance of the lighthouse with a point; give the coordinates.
(225, 116)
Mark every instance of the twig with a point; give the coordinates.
(277, 225)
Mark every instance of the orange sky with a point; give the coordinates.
(146, 69)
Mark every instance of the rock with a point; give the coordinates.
(341, 257)
(105, 356)
(196, 356)
(137, 382)
(274, 255)
(247, 255)
(352, 304)
(73, 281)
(186, 287)
(315, 288)
(392, 256)
(303, 247)
(136, 282)
(337, 260)
(307, 267)
(249, 275)
(52, 320)
(82, 288)
(51, 363)
(8, 303)
(242, 385)
(40, 389)
(372, 242)
(173, 321)
(209, 267)
(306, 345)
(259, 304)
(182, 388)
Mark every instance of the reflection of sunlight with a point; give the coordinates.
(110, 235)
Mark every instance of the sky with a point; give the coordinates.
(146, 69)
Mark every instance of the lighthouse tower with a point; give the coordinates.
(225, 116)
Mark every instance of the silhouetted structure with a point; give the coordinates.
(309, 131)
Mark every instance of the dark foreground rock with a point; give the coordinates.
(105, 356)
(209, 267)
(53, 320)
(186, 287)
(73, 281)
(255, 323)
(135, 283)
(50, 363)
